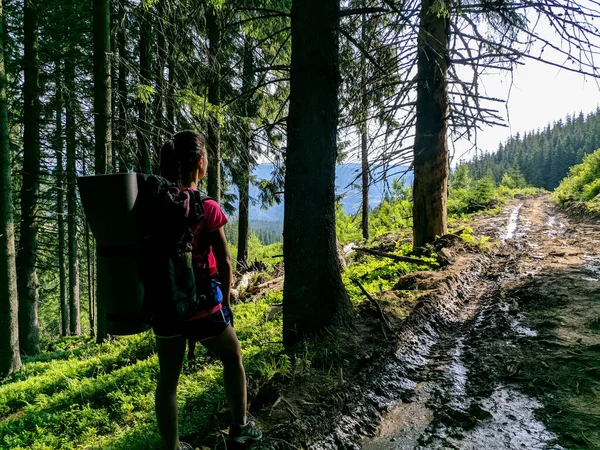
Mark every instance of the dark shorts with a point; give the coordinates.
(196, 330)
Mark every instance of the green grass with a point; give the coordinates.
(78, 395)
(103, 396)
(582, 184)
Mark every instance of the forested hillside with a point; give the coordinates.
(543, 156)
(337, 99)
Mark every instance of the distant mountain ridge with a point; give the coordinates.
(347, 185)
(544, 156)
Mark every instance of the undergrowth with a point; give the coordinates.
(102, 397)
(582, 185)
(79, 395)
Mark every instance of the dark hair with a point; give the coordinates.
(179, 156)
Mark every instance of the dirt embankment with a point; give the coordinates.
(522, 370)
(500, 351)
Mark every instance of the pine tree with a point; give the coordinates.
(431, 144)
(10, 359)
(102, 120)
(213, 137)
(312, 269)
(70, 134)
(27, 280)
(60, 206)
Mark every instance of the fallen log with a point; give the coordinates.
(385, 323)
(401, 258)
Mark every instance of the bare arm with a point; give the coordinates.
(221, 251)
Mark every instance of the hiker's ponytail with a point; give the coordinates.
(169, 166)
(179, 157)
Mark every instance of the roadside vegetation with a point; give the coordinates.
(77, 394)
(581, 187)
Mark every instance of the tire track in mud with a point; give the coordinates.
(445, 388)
(468, 408)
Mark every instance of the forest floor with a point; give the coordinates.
(501, 349)
(498, 349)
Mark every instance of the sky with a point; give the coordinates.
(539, 95)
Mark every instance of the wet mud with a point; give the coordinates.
(481, 387)
(501, 350)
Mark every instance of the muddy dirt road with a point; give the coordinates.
(518, 367)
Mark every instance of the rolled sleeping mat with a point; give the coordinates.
(109, 204)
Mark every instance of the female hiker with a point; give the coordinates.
(184, 161)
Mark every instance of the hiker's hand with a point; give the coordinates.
(230, 316)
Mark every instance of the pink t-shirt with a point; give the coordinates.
(215, 219)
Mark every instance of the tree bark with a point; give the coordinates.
(70, 133)
(244, 175)
(102, 117)
(213, 138)
(161, 60)
(121, 125)
(244, 207)
(10, 359)
(364, 137)
(314, 297)
(171, 68)
(90, 277)
(364, 153)
(27, 281)
(60, 210)
(143, 138)
(102, 87)
(430, 186)
(114, 77)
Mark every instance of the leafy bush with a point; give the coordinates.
(347, 226)
(265, 253)
(582, 183)
(81, 395)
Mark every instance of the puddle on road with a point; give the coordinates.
(516, 322)
(459, 373)
(403, 424)
(512, 425)
(592, 267)
(512, 224)
(554, 222)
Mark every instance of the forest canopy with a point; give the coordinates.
(96, 87)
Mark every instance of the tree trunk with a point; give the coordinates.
(121, 125)
(244, 175)
(364, 146)
(161, 59)
(10, 359)
(213, 138)
(60, 210)
(364, 137)
(430, 186)
(143, 135)
(243, 213)
(171, 65)
(114, 17)
(314, 297)
(70, 132)
(27, 281)
(90, 277)
(102, 107)
(102, 87)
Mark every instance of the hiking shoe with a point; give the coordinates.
(243, 434)
(185, 446)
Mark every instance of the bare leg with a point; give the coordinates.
(191, 350)
(170, 359)
(227, 348)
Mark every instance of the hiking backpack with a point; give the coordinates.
(168, 217)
